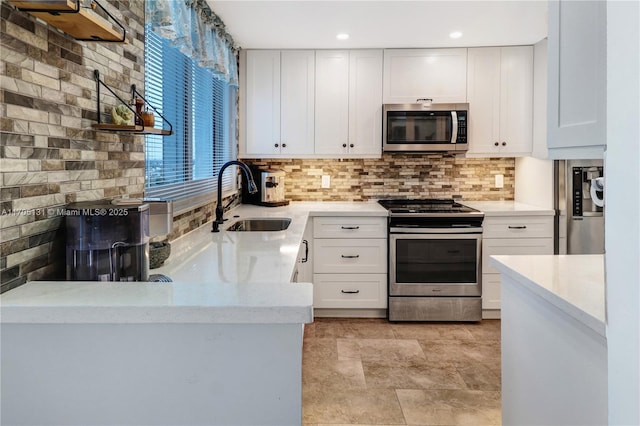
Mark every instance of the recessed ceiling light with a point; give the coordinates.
(455, 34)
(342, 36)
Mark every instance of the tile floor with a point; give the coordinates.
(372, 372)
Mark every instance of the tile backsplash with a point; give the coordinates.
(395, 175)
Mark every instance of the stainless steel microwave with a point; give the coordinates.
(424, 128)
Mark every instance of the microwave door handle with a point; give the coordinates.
(454, 126)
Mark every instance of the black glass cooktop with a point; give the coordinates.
(425, 206)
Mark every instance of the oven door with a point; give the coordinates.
(435, 262)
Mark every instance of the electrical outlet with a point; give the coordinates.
(326, 181)
(499, 181)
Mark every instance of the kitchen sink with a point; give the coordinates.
(262, 224)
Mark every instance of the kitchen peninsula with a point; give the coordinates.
(221, 345)
(554, 348)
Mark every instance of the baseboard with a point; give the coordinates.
(491, 314)
(350, 313)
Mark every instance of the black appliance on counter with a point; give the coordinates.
(107, 242)
(434, 260)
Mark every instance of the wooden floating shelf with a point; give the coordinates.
(82, 23)
(132, 129)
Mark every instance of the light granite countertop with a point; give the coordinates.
(225, 277)
(572, 283)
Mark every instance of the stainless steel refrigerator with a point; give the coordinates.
(579, 193)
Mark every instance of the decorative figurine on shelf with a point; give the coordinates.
(122, 115)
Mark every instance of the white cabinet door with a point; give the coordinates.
(483, 95)
(437, 74)
(348, 103)
(516, 100)
(304, 261)
(262, 100)
(365, 103)
(577, 79)
(490, 291)
(514, 246)
(332, 102)
(500, 96)
(297, 71)
(279, 103)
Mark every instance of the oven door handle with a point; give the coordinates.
(455, 230)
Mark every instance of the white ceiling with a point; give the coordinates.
(266, 24)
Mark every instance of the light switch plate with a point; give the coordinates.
(499, 181)
(326, 181)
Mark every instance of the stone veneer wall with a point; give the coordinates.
(49, 153)
(395, 175)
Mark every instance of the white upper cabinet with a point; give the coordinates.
(437, 74)
(348, 110)
(500, 97)
(577, 79)
(262, 116)
(332, 101)
(278, 103)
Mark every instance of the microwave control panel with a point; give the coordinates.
(462, 127)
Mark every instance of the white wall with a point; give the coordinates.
(622, 228)
(534, 182)
(534, 175)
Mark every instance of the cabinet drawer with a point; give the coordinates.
(350, 256)
(518, 227)
(513, 246)
(350, 291)
(350, 227)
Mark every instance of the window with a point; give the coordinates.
(202, 109)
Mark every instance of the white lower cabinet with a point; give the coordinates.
(349, 290)
(347, 256)
(349, 263)
(510, 235)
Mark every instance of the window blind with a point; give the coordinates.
(184, 166)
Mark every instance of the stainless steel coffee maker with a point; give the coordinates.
(270, 185)
(107, 242)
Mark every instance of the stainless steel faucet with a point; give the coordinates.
(252, 188)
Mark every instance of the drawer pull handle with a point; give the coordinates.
(354, 256)
(350, 291)
(350, 227)
(517, 227)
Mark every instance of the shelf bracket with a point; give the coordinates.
(96, 76)
(138, 123)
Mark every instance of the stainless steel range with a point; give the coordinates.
(434, 261)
